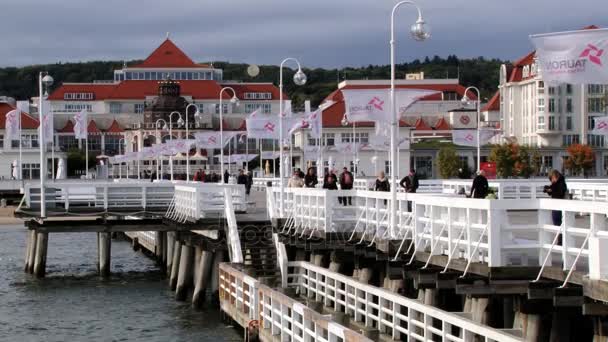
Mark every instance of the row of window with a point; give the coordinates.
(162, 75)
(78, 96)
(77, 107)
(266, 108)
(258, 96)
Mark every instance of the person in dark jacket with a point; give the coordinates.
(382, 184)
(410, 183)
(557, 190)
(249, 182)
(310, 179)
(242, 178)
(300, 173)
(226, 176)
(480, 186)
(346, 183)
(331, 181)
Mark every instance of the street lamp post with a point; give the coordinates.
(419, 32)
(233, 100)
(44, 80)
(299, 78)
(180, 122)
(157, 136)
(196, 115)
(465, 101)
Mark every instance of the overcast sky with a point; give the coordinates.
(321, 33)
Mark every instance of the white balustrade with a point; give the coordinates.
(107, 195)
(193, 201)
(392, 314)
(277, 314)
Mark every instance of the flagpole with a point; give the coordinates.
(86, 161)
(20, 153)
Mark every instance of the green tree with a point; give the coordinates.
(448, 162)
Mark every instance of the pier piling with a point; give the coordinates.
(42, 240)
(184, 277)
(177, 249)
(105, 248)
(202, 279)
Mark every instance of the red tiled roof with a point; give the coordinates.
(114, 128)
(167, 55)
(27, 122)
(204, 89)
(242, 88)
(67, 128)
(92, 127)
(420, 125)
(493, 104)
(100, 91)
(442, 125)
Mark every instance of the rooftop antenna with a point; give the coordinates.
(167, 34)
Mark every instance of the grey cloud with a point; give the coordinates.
(321, 32)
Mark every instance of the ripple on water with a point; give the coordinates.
(74, 304)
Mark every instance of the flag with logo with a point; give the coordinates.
(383, 143)
(47, 122)
(263, 128)
(297, 123)
(254, 114)
(212, 139)
(374, 105)
(576, 57)
(12, 124)
(80, 125)
(600, 125)
(468, 137)
(314, 122)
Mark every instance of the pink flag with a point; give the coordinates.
(80, 125)
(12, 124)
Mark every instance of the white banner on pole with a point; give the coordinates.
(47, 122)
(468, 137)
(12, 125)
(600, 125)
(211, 139)
(575, 57)
(80, 125)
(374, 104)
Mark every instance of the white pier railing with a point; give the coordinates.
(107, 195)
(393, 315)
(277, 314)
(194, 201)
(473, 230)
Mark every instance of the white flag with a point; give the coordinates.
(12, 124)
(212, 139)
(297, 123)
(383, 143)
(600, 125)
(468, 137)
(263, 128)
(314, 122)
(374, 105)
(182, 145)
(80, 125)
(575, 57)
(47, 122)
(346, 147)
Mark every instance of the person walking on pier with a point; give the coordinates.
(410, 183)
(310, 180)
(331, 181)
(557, 190)
(346, 183)
(242, 179)
(382, 184)
(226, 176)
(295, 181)
(249, 182)
(480, 186)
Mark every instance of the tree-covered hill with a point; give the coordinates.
(21, 83)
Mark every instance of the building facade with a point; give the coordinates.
(123, 112)
(548, 117)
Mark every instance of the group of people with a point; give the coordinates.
(244, 177)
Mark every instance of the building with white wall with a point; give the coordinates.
(431, 118)
(116, 107)
(548, 117)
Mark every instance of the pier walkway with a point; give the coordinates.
(450, 268)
